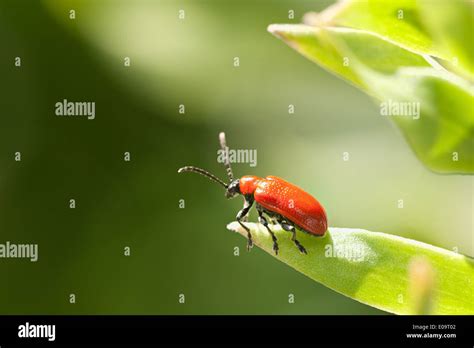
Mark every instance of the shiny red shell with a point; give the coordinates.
(288, 200)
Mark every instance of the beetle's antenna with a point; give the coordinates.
(203, 173)
(224, 147)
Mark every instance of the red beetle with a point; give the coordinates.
(280, 200)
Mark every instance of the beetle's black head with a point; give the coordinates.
(233, 189)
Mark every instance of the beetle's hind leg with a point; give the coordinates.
(290, 227)
(264, 222)
(242, 216)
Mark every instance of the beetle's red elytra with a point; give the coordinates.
(281, 201)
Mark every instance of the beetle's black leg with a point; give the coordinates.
(264, 222)
(241, 215)
(290, 227)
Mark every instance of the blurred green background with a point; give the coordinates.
(136, 203)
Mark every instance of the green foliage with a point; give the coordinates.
(441, 29)
(403, 58)
(452, 25)
(378, 269)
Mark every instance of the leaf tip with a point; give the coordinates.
(233, 226)
(275, 29)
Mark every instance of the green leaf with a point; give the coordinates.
(442, 29)
(451, 24)
(376, 268)
(443, 135)
(343, 51)
(397, 21)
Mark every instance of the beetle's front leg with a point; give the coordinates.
(264, 222)
(242, 215)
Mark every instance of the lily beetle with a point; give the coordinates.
(279, 200)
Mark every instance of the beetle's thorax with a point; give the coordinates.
(248, 184)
